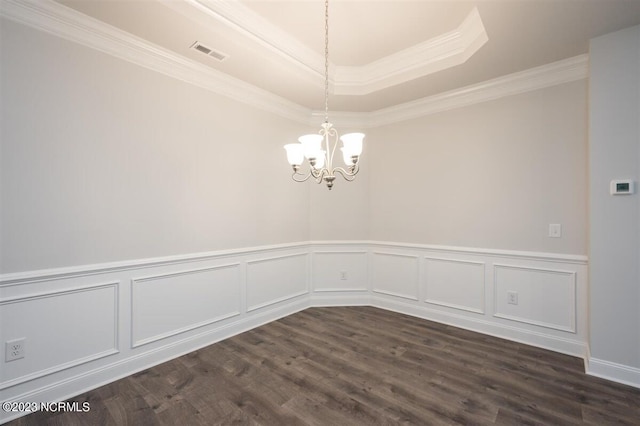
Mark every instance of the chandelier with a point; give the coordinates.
(320, 155)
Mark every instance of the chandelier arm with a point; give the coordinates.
(297, 179)
(349, 176)
(322, 173)
(318, 173)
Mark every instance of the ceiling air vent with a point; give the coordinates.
(209, 51)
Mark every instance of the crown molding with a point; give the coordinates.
(439, 53)
(61, 21)
(560, 72)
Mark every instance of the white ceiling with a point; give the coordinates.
(382, 52)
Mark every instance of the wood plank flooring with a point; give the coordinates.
(358, 366)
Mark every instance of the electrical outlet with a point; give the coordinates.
(512, 297)
(343, 275)
(555, 230)
(14, 349)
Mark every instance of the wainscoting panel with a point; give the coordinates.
(172, 303)
(83, 328)
(545, 297)
(62, 329)
(467, 288)
(455, 283)
(276, 279)
(395, 274)
(339, 271)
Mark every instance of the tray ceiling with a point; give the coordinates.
(382, 52)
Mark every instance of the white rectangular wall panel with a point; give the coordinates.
(455, 283)
(395, 274)
(340, 271)
(545, 297)
(61, 329)
(276, 279)
(169, 304)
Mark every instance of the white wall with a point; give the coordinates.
(614, 152)
(103, 160)
(491, 175)
(342, 213)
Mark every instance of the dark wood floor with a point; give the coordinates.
(358, 366)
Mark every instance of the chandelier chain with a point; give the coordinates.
(326, 61)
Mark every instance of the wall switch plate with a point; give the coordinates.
(14, 349)
(512, 297)
(555, 230)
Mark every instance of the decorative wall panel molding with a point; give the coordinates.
(544, 297)
(455, 277)
(395, 274)
(276, 279)
(168, 304)
(78, 339)
(80, 323)
(339, 271)
(458, 284)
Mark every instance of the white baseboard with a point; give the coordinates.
(612, 371)
(336, 299)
